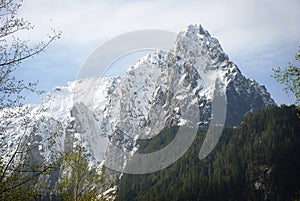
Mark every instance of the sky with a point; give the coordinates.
(257, 35)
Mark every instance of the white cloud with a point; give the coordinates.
(244, 28)
(238, 24)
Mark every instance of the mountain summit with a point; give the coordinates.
(163, 89)
(178, 88)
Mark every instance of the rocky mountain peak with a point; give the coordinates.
(196, 44)
(152, 95)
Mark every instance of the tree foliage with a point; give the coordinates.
(78, 180)
(24, 172)
(17, 172)
(290, 77)
(14, 50)
(21, 162)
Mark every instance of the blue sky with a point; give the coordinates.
(256, 34)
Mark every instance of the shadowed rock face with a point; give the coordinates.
(245, 96)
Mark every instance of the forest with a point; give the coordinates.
(259, 160)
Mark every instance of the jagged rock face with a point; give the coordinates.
(150, 97)
(244, 96)
(152, 94)
(156, 92)
(205, 53)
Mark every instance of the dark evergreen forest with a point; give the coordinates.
(259, 160)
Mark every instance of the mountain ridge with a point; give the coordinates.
(152, 95)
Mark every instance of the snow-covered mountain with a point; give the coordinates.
(177, 88)
(160, 90)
